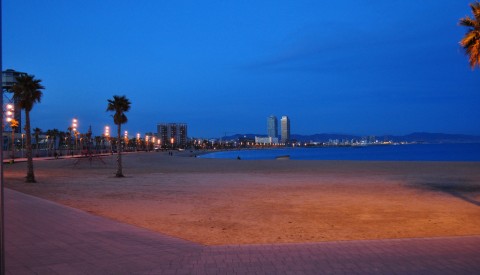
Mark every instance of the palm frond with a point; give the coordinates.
(476, 10)
(471, 41)
(119, 105)
(467, 22)
(26, 91)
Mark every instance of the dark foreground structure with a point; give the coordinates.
(43, 237)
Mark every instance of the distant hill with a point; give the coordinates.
(413, 137)
(436, 138)
(240, 136)
(324, 137)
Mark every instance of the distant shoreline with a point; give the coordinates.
(373, 152)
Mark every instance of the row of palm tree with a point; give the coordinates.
(27, 92)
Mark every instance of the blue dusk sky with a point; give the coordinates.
(358, 67)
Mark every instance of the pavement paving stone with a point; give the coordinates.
(43, 237)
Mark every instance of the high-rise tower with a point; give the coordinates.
(172, 134)
(285, 123)
(272, 126)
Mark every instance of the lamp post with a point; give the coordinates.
(138, 141)
(171, 141)
(13, 124)
(125, 137)
(48, 146)
(65, 145)
(107, 136)
(146, 143)
(75, 132)
(22, 145)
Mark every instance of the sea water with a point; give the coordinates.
(404, 152)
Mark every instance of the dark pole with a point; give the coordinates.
(2, 197)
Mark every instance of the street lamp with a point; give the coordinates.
(75, 132)
(13, 124)
(171, 141)
(125, 137)
(48, 145)
(22, 145)
(146, 142)
(107, 136)
(9, 113)
(138, 141)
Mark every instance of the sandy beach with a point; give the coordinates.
(213, 201)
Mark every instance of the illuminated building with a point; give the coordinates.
(172, 134)
(285, 124)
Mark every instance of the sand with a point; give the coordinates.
(215, 202)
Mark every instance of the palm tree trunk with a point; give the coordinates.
(30, 174)
(119, 152)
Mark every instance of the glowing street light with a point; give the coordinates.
(75, 132)
(13, 124)
(138, 141)
(9, 113)
(107, 136)
(146, 142)
(74, 124)
(125, 137)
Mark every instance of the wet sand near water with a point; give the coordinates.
(218, 201)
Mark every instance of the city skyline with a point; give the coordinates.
(221, 67)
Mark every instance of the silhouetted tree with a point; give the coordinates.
(36, 132)
(119, 105)
(14, 124)
(26, 92)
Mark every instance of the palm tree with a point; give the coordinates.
(69, 135)
(26, 92)
(119, 105)
(63, 141)
(36, 132)
(14, 125)
(54, 133)
(471, 40)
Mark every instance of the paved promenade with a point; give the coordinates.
(43, 237)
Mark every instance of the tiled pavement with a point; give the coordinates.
(43, 237)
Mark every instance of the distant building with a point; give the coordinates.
(272, 126)
(285, 124)
(172, 134)
(8, 80)
(266, 140)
